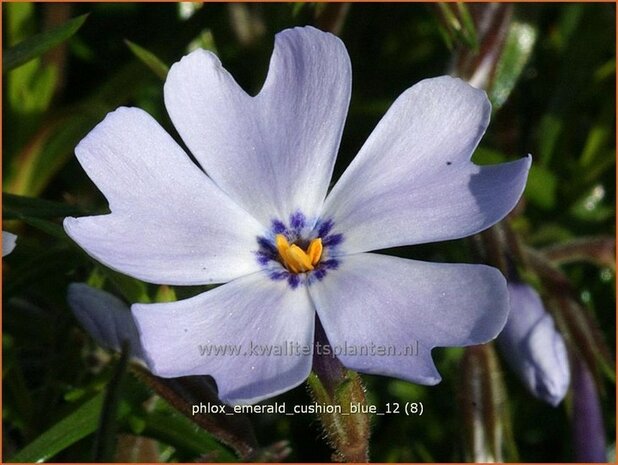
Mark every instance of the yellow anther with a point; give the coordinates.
(296, 259)
(315, 251)
(281, 242)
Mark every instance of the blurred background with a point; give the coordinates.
(549, 70)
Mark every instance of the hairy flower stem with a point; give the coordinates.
(332, 384)
(235, 431)
(571, 314)
(598, 250)
(484, 412)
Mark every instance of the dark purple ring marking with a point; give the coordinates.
(267, 251)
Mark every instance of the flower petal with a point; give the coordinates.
(273, 153)
(169, 223)
(533, 347)
(404, 308)
(413, 181)
(9, 241)
(105, 317)
(589, 443)
(235, 333)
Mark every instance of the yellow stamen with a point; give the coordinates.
(296, 259)
(315, 251)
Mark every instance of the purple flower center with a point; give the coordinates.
(301, 235)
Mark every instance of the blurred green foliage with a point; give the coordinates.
(554, 98)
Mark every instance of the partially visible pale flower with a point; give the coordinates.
(589, 434)
(9, 241)
(533, 347)
(105, 317)
(260, 221)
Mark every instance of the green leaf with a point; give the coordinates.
(551, 128)
(456, 25)
(48, 150)
(30, 87)
(541, 187)
(48, 227)
(485, 156)
(47, 263)
(105, 440)
(19, 207)
(517, 50)
(19, 19)
(74, 427)
(599, 153)
(40, 43)
(165, 294)
(177, 430)
(204, 40)
(468, 28)
(132, 289)
(592, 206)
(153, 62)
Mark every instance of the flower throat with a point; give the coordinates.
(294, 258)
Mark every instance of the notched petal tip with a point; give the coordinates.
(306, 32)
(413, 181)
(196, 60)
(445, 89)
(100, 133)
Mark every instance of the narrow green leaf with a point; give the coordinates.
(456, 25)
(153, 62)
(132, 289)
(19, 21)
(204, 40)
(49, 149)
(40, 43)
(297, 8)
(541, 187)
(517, 50)
(45, 264)
(165, 294)
(36, 163)
(172, 428)
(18, 207)
(17, 398)
(96, 278)
(468, 28)
(105, 440)
(74, 427)
(48, 227)
(551, 127)
(598, 138)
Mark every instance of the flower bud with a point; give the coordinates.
(533, 347)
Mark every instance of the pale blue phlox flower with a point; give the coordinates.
(255, 214)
